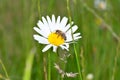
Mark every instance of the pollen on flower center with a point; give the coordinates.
(55, 39)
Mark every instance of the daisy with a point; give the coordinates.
(55, 33)
(100, 4)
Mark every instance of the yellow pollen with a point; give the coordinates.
(55, 39)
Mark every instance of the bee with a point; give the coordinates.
(60, 33)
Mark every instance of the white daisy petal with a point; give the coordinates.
(54, 48)
(69, 35)
(40, 24)
(67, 27)
(77, 37)
(76, 34)
(74, 28)
(64, 47)
(64, 22)
(66, 44)
(53, 25)
(44, 21)
(41, 39)
(49, 23)
(43, 27)
(53, 19)
(37, 29)
(41, 32)
(69, 38)
(49, 20)
(46, 47)
(58, 20)
(57, 24)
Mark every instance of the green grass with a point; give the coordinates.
(99, 44)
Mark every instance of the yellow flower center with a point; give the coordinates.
(56, 39)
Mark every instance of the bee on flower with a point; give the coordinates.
(55, 33)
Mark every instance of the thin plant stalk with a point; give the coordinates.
(76, 54)
(28, 68)
(77, 60)
(82, 63)
(115, 62)
(4, 69)
(39, 9)
(45, 68)
(108, 27)
(49, 66)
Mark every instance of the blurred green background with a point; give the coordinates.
(98, 45)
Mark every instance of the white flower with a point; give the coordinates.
(54, 33)
(100, 4)
(90, 76)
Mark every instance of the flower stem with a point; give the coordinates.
(76, 54)
(77, 60)
(49, 66)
